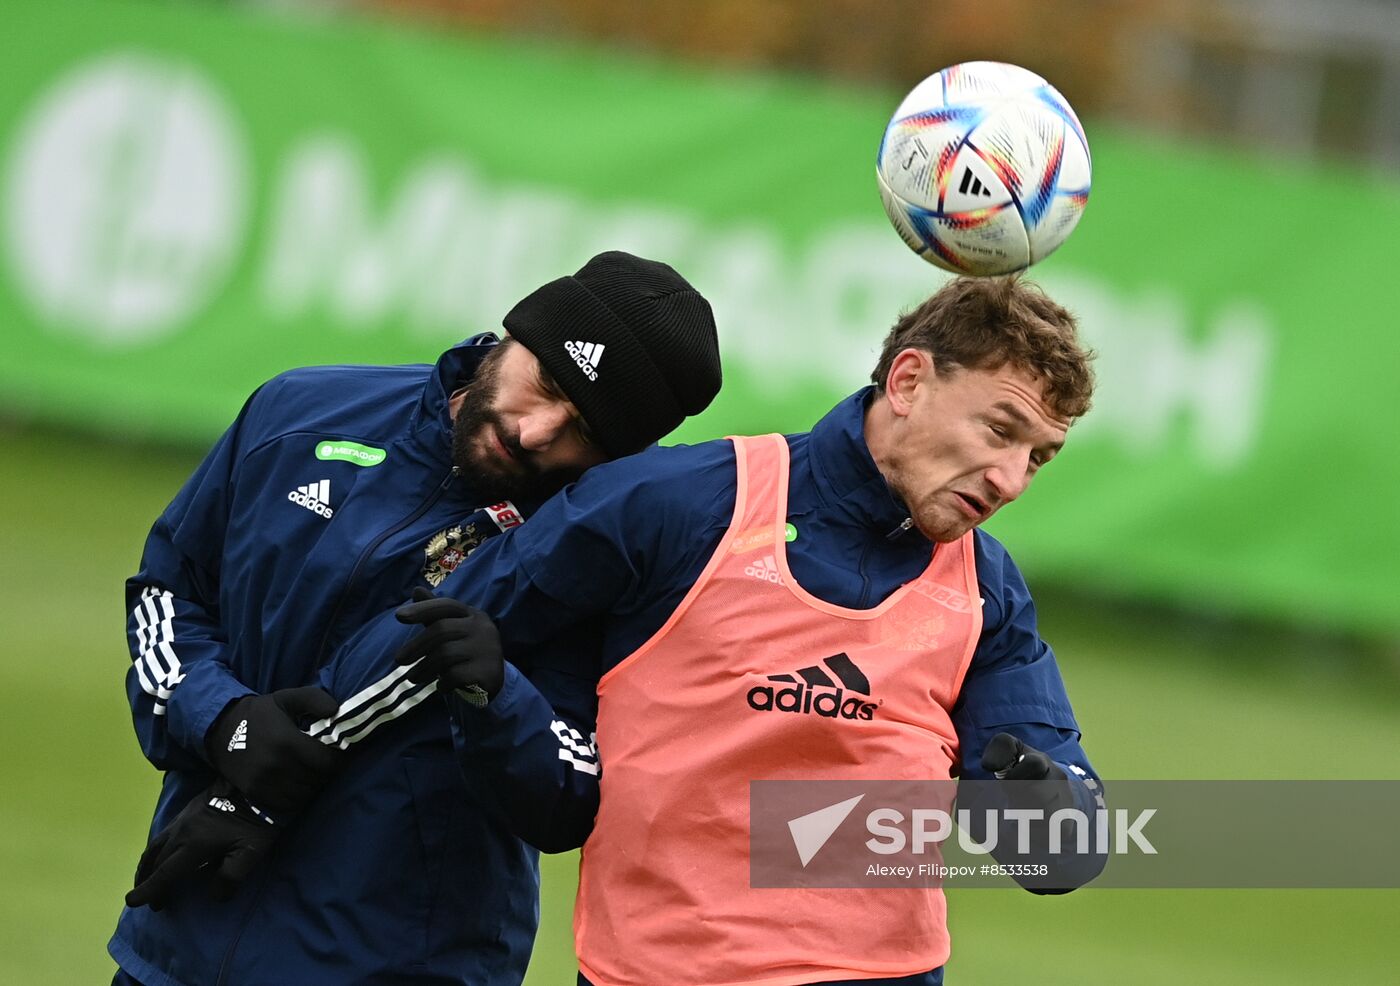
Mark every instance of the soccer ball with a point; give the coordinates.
(984, 168)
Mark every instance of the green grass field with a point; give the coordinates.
(1159, 697)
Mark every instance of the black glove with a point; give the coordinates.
(1046, 785)
(219, 837)
(1008, 759)
(459, 646)
(257, 743)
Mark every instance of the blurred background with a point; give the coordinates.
(198, 195)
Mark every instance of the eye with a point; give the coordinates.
(548, 385)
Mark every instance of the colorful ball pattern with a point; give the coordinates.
(984, 169)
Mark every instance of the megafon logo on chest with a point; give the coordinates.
(811, 691)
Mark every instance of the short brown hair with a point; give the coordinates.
(982, 323)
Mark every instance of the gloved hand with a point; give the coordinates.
(1029, 779)
(1046, 786)
(459, 646)
(257, 744)
(219, 837)
(1008, 759)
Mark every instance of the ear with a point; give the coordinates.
(910, 369)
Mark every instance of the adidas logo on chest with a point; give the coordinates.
(833, 689)
(315, 497)
(765, 570)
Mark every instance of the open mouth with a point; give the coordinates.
(502, 448)
(975, 505)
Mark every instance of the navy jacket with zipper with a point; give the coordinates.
(394, 874)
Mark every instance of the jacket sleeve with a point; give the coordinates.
(1014, 685)
(532, 754)
(179, 679)
(548, 585)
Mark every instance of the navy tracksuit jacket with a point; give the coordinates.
(274, 551)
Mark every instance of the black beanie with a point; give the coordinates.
(629, 341)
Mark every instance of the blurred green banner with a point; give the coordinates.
(196, 198)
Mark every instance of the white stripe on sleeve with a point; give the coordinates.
(365, 711)
(577, 752)
(156, 663)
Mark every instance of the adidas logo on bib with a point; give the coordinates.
(315, 497)
(765, 570)
(812, 691)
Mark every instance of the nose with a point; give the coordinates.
(1009, 478)
(542, 426)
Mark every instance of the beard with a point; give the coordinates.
(494, 479)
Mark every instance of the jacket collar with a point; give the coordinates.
(845, 474)
(433, 419)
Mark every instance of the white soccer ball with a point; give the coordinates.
(984, 168)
